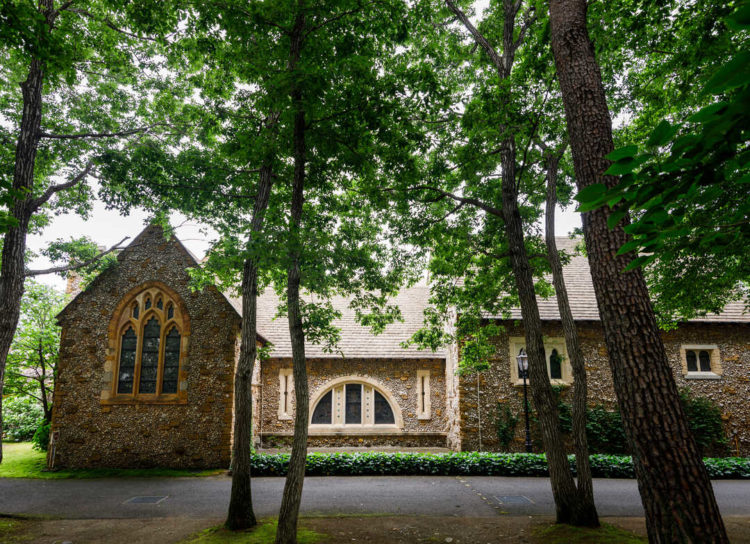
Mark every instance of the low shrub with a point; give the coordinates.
(21, 418)
(40, 439)
(467, 463)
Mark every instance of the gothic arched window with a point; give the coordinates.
(151, 327)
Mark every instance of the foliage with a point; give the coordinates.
(468, 463)
(685, 190)
(21, 418)
(505, 424)
(264, 533)
(705, 421)
(32, 360)
(40, 440)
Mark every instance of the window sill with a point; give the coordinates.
(560, 383)
(702, 376)
(352, 429)
(141, 401)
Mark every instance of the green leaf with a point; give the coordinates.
(591, 193)
(663, 132)
(734, 73)
(623, 152)
(627, 247)
(740, 18)
(708, 112)
(615, 217)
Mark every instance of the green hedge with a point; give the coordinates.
(470, 464)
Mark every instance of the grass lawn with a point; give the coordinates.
(606, 534)
(21, 461)
(264, 533)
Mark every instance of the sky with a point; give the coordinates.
(108, 227)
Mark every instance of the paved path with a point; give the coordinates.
(465, 496)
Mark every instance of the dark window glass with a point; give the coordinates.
(705, 360)
(127, 362)
(383, 412)
(149, 357)
(692, 361)
(160, 304)
(555, 366)
(170, 311)
(171, 362)
(353, 403)
(323, 410)
(135, 310)
(147, 304)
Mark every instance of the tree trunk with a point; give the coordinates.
(290, 503)
(241, 515)
(14, 244)
(561, 478)
(588, 515)
(675, 489)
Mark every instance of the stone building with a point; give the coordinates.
(146, 367)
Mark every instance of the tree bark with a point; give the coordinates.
(290, 503)
(675, 489)
(588, 514)
(14, 243)
(561, 478)
(241, 514)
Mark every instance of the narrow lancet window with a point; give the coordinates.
(127, 362)
(150, 357)
(171, 362)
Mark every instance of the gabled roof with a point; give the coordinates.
(583, 300)
(356, 341)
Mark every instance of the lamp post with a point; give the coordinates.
(523, 371)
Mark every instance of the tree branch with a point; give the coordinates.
(69, 268)
(82, 135)
(36, 203)
(473, 201)
(481, 40)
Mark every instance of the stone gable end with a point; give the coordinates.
(92, 424)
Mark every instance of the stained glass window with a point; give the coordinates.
(135, 311)
(705, 361)
(692, 361)
(127, 361)
(147, 304)
(171, 362)
(383, 411)
(353, 403)
(555, 366)
(149, 357)
(324, 409)
(170, 311)
(160, 304)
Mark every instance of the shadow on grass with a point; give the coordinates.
(264, 533)
(21, 461)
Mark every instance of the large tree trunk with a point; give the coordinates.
(561, 478)
(588, 514)
(241, 515)
(14, 244)
(290, 503)
(674, 485)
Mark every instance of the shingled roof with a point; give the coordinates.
(356, 341)
(583, 300)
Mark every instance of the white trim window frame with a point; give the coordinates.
(550, 345)
(697, 351)
(286, 394)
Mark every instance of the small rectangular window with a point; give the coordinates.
(286, 393)
(424, 405)
(701, 362)
(353, 403)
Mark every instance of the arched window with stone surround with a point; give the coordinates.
(150, 329)
(354, 402)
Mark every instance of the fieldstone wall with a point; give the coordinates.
(94, 431)
(398, 377)
(479, 398)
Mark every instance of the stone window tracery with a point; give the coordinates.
(354, 404)
(150, 347)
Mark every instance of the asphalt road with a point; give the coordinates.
(422, 495)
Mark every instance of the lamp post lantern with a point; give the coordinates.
(523, 371)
